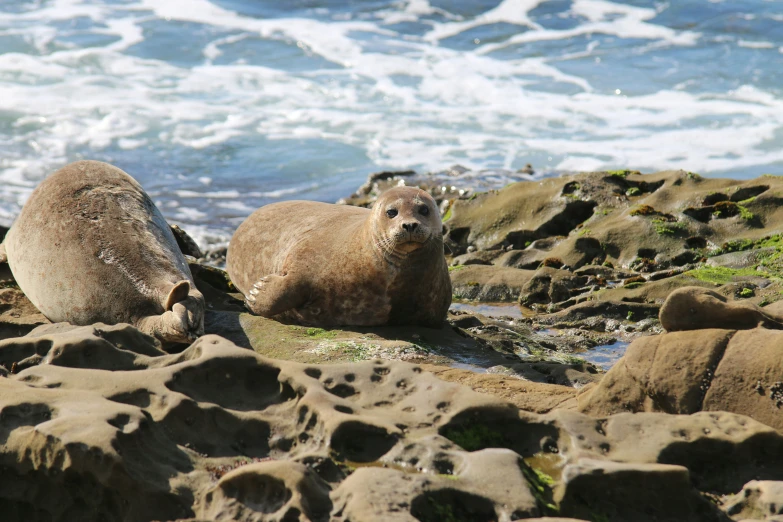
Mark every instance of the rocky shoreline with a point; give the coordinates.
(496, 416)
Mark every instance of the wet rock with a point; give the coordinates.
(480, 342)
(576, 374)
(489, 283)
(602, 271)
(214, 257)
(527, 259)
(742, 259)
(550, 285)
(651, 291)
(445, 186)
(597, 315)
(186, 243)
(554, 519)
(482, 257)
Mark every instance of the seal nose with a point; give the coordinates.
(410, 227)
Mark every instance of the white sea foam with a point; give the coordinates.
(755, 44)
(401, 100)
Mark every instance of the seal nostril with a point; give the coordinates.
(410, 227)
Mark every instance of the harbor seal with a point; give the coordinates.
(90, 246)
(331, 265)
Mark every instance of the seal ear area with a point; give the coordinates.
(179, 292)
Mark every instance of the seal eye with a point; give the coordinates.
(392, 212)
(424, 211)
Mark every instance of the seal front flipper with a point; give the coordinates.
(274, 294)
(3, 255)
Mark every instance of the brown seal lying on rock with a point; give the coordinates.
(694, 308)
(328, 265)
(90, 246)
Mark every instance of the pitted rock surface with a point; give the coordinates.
(218, 432)
(107, 418)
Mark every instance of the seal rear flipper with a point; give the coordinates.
(274, 294)
(179, 292)
(183, 320)
(179, 325)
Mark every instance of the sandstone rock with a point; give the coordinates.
(702, 370)
(660, 224)
(489, 283)
(496, 219)
(721, 450)
(386, 494)
(527, 259)
(525, 212)
(615, 491)
(482, 257)
(596, 314)
(749, 377)
(527, 396)
(100, 346)
(18, 315)
(267, 491)
(111, 420)
(550, 285)
(654, 291)
(219, 432)
(669, 373)
(758, 500)
(742, 259)
(575, 374)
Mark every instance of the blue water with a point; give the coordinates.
(605, 356)
(220, 106)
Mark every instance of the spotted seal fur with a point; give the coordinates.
(327, 265)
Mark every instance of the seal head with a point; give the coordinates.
(404, 220)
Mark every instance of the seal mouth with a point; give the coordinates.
(409, 246)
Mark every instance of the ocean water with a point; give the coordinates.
(220, 106)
